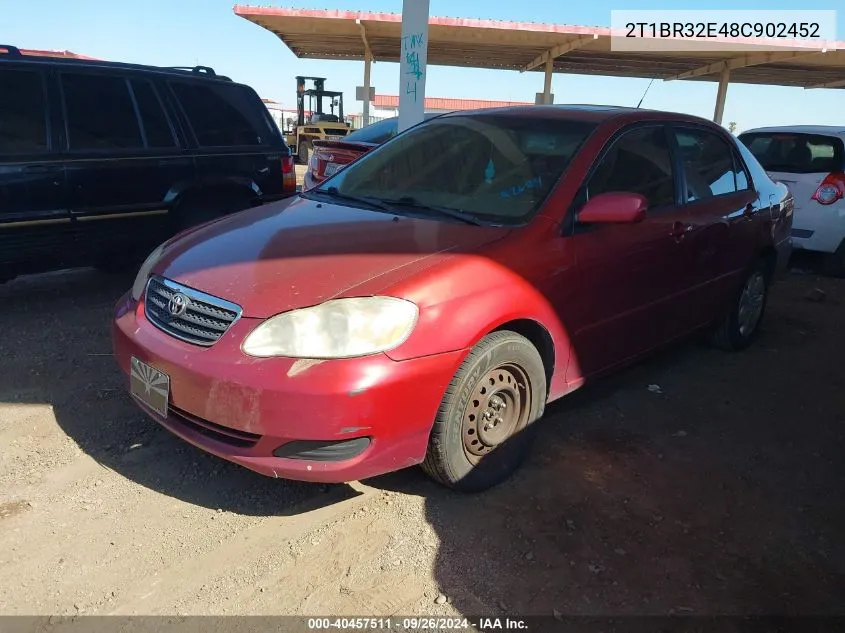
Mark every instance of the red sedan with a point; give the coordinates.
(330, 157)
(424, 305)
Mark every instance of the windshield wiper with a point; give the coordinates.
(457, 214)
(365, 200)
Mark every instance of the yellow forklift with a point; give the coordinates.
(320, 125)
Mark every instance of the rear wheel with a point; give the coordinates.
(483, 429)
(120, 264)
(198, 209)
(741, 324)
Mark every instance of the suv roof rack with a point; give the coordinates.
(207, 71)
(198, 70)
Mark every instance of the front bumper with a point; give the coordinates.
(243, 409)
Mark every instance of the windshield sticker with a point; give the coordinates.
(518, 190)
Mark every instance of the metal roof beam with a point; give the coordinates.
(839, 83)
(560, 49)
(743, 61)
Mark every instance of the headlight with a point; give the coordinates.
(144, 272)
(341, 328)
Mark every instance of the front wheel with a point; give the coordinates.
(741, 324)
(483, 429)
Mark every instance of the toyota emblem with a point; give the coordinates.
(178, 304)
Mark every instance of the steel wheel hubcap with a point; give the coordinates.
(498, 407)
(751, 304)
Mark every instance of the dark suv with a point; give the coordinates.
(101, 161)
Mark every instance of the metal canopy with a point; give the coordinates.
(528, 46)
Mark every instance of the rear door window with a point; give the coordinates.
(100, 113)
(796, 153)
(156, 126)
(23, 121)
(224, 115)
(710, 165)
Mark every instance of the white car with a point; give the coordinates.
(810, 160)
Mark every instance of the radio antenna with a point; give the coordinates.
(645, 93)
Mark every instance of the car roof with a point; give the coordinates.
(835, 130)
(595, 113)
(193, 72)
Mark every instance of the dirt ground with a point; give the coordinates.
(697, 483)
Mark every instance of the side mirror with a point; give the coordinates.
(614, 208)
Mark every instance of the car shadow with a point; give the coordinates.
(56, 351)
(698, 483)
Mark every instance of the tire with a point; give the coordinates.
(302, 153)
(736, 332)
(834, 263)
(508, 359)
(120, 265)
(199, 209)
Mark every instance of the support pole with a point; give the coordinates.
(547, 84)
(368, 62)
(413, 56)
(722, 94)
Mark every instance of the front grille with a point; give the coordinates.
(222, 434)
(187, 314)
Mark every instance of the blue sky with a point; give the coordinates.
(186, 32)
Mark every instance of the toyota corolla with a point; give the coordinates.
(424, 305)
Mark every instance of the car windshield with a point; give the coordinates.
(494, 168)
(796, 153)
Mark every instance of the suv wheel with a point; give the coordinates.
(199, 209)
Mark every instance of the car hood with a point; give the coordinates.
(299, 252)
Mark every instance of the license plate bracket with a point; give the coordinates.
(150, 386)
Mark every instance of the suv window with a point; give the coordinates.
(796, 153)
(23, 123)
(709, 165)
(638, 162)
(100, 113)
(156, 126)
(222, 115)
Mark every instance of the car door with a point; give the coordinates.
(626, 295)
(237, 147)
(723, 206)
(34, 216)
(121, 166)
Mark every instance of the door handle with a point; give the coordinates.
(680, 229)
(749, 210)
